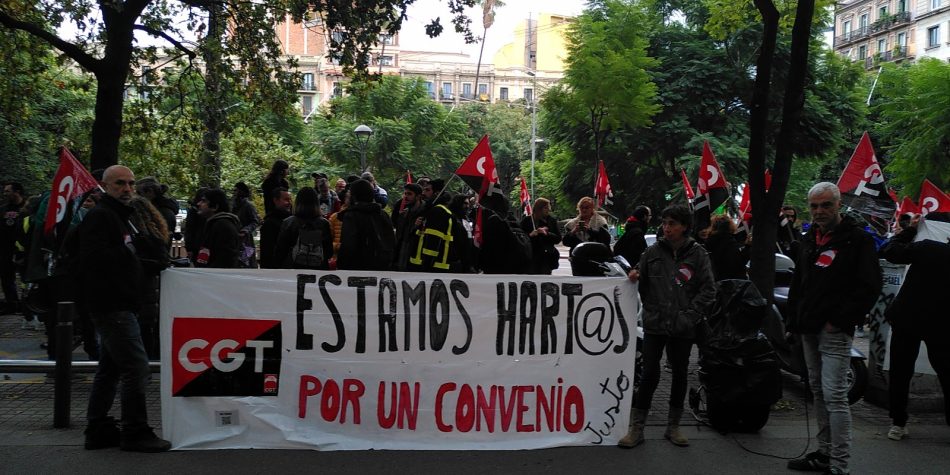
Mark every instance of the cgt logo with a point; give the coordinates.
(225, 357)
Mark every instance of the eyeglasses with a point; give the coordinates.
(822, 205)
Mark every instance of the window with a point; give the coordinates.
(863, 22)
(528, 94)
(446, 90)
(902, 40)
(881, 45)
(386, 39)
(882, 12)
(933, 36)
(901, 6)
(862, 52)
(504, 93)
(482, 89)
(430, 89)
(306, 104)
(307, 82)
(934, 4)
(467, 90)
(337, 89)
(338, 36)
(847, 29)
(333, 60)
(386, 60)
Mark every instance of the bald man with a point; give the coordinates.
(111, 278)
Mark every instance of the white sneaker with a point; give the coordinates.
(897, 432)
(38, 325)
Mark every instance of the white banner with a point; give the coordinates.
(360, 360)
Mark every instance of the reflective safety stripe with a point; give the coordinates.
(446, 238)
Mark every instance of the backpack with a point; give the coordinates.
(308, 250)
(382, 244)
(521, 251)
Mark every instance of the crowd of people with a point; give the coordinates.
(113, 247)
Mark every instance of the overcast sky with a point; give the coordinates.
(507, 18)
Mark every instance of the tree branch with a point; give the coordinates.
(72, 50)
(161, 34)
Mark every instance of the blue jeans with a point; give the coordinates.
(828, 357)
(122, 356)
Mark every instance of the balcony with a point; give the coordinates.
(896, 54)
(852, 36)
(308, 86)
(889, 21)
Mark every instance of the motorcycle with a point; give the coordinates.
(789, 348)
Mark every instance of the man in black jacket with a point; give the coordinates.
(111, 277)
(837, 281)
(917, 314)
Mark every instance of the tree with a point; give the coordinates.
(106, 45)
(410, 132)
(912, 105)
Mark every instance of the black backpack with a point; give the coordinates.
(520, 252)
(307, 252)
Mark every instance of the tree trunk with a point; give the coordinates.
(214, 107)
(111, 74)
(766, 205)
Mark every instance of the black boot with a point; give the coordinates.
(143, 440)
(102, 435)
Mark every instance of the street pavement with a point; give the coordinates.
(30, 445)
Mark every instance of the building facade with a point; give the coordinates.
(877, 31)
(532, 62)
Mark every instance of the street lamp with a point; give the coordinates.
(534, 123)
(362, 136)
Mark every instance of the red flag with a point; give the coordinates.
(477, 228)
(71, 181)
(712, 189)
(862, 182)
(745, 203)
(478, 170)
(686, 188)
(602, 190)
(408, 177)
(525, 198)
(908, 206)
(932, 199)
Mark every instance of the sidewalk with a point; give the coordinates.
(30, 444)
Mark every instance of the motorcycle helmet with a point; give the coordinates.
(587, 257)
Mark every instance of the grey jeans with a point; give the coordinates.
(828, 357)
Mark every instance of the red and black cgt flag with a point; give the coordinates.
(71, 181)
(478, 170)
(712, 191)
(862, 183)
(932, 199)
(225, 357)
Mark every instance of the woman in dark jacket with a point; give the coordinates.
(277, 178)
(587, 226)
(305, 240)
(633, 242)
(727, 255)
(542, 228)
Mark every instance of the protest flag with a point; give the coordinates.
(71, 181)
(525, 198)
(602, 190)
(478, 170)
(908, 206)
(712, 189)
(686, 188)
(862, 183)
(408, 177)
(932, 199)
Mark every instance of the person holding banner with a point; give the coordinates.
(916, 315)
(837, 281)
(677, 291)
(587, 226)
(111, 278)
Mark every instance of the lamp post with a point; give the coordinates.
(362, 136)
(534, 124)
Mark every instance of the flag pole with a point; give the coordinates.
(444, 188)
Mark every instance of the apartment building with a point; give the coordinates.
(876, 31)
(532, 62)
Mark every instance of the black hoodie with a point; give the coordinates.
(221, 242)
(110, 273)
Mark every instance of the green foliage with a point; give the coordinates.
(410, 132)
(726, 17)
(43, 105)
(913, 104)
